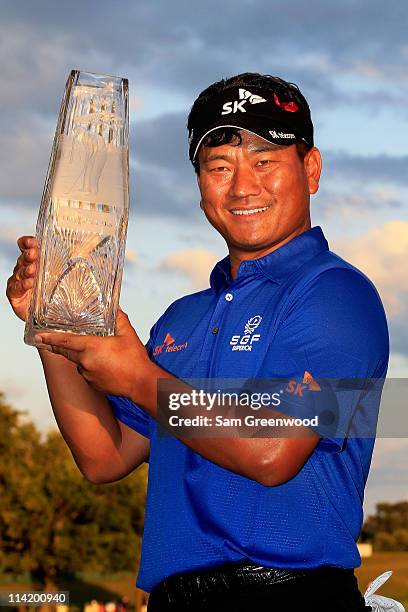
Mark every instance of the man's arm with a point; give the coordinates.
(121, 366)
(103, 448)
(345, 338)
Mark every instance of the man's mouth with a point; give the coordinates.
(248, 211)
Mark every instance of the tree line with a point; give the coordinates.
(387, 529)
(52, 520)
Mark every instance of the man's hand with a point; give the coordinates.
(115, 365)
(20, 284)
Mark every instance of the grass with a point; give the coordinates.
(90, 586)
(397, 586)
(84, 588)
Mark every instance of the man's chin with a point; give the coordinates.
(251, 246)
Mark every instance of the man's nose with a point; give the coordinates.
(244, 182)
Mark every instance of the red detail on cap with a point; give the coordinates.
(291, 107)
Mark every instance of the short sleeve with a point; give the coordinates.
(130, 413)
(334, 329)
(124, 409)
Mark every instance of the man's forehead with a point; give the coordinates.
(249, 140)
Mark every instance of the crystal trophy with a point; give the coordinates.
(83, 216)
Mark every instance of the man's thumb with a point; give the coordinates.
(123, 325)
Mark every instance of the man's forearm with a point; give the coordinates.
(83, 414)
(120, 365)
(269, 461)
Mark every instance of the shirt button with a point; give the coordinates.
(215, 330)
(229, 297)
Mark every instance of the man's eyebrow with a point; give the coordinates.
(261, 148)
(213, 156)
(265, 148)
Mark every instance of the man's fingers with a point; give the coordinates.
(70, 346)
(30, 255)
(74, 356)
(27, 283)
(26, 242)
(14, 288)
(25, 266)
(66, 341)
(61, 344)
(29, 271)
(24, 272)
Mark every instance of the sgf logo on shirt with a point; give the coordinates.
(245, 342)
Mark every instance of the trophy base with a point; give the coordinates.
(33, 330)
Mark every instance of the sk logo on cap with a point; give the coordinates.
(239, 105)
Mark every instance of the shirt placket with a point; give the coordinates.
(222, 309)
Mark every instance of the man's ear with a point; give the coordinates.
(313, 167)
(199, 186)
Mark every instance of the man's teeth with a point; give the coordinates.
(249, 212)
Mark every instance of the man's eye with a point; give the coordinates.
(264, 162)
(219, 169)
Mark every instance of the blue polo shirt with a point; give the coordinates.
(319, 314)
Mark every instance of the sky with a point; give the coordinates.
(349, 58)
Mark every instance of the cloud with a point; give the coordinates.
(398, 367)
(157, 191)
(353, 185)
(378, 168)
(24, 156)
(180, 49)
(381, 253)
(194, 264)
(162, 142)
(131, 257)
(8, 249)
(172, 50)
(13, 390)
(162, 175)
(388, 474)
(388, 448)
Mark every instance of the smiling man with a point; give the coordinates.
(256, 195)
(236, 523)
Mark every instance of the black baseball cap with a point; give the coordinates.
(275, 116)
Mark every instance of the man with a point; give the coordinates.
(236, 523)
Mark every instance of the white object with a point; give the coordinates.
(379, 603)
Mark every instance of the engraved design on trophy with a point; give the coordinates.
(83, 216)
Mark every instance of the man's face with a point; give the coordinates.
(256, 194)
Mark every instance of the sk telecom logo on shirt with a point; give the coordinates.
(169, 346)
(245, 342)
(239, 105)
(308, 384)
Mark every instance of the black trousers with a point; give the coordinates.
(247, 588)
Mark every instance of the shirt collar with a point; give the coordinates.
(276, 266)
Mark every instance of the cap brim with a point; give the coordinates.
(275, 133)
